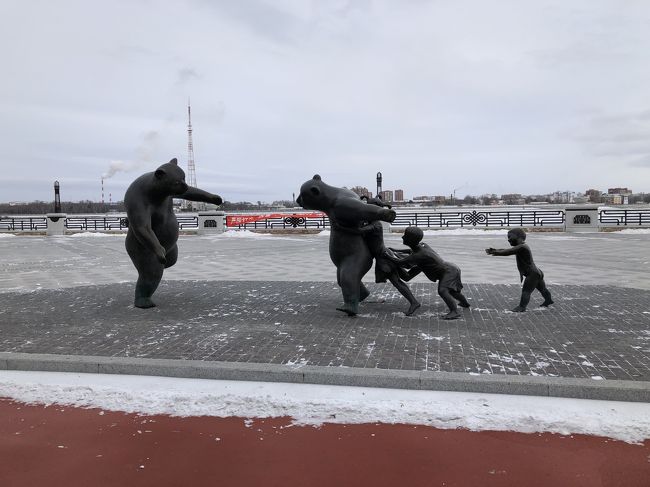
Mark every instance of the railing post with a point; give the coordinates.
(211, 222)
(581, 218)
(55, 224)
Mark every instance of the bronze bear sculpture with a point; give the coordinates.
(153, 228)
(348, 251)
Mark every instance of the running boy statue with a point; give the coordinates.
(423, 258)
(532, 275)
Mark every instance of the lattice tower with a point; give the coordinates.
(191, 168)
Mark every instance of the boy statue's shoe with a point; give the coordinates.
(452, 315)
(412, 309)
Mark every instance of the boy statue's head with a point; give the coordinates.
(412, 236)
(516, 236)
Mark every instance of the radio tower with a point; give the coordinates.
(191, 169)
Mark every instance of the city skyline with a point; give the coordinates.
(462, 98)
(614, 195)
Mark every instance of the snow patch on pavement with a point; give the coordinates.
(317, 404)
(249, 234)
(96, 235)
(634, 231)
(465, 231)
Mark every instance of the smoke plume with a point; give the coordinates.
(144, 155)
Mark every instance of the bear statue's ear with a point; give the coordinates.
(160, 173)
(316, 177)
(314, 190)
(174, 161)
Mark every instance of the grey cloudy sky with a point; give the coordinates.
(484, 96)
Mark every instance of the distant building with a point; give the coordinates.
(581, 200)
(423, 198)
(513, 199)
(621, 191)
(594, 195)
(361, 191)
(387, 196)
(615, 199)
(562, 196)
(489, 199)
(399, 195)
(618, 196)
(440, 200)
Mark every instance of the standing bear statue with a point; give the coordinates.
(153, 228)
(348, 250)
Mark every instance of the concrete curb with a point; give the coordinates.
(610, 390)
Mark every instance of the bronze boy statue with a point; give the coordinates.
(532, 275)
(423, 258)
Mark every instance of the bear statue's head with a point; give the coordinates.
(312, 195)
(170, 179)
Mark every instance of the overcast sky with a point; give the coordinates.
(478, 96)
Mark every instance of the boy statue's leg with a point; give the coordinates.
(546, 294)
(405, 291)
(462, 300)
(450, 302)
(523, 302)
(530, 283)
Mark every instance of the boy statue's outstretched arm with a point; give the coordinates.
(410, 274)
(407, 261)
(510, 251)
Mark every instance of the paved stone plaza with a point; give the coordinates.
(28, 263)
(272, 299)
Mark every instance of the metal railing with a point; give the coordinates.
(431, 219)
(638, 217)
(288, 221)
(187, 222)
(23, 223)
(480, 219)
(426, 219)
(96, 223)
(104, 223)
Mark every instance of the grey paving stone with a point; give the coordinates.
(598, 332)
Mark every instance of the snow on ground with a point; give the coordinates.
(634, 231)
(317, 404)
(249, 234)
(242, 234)
(96, 235)
(5, 235)
(465, 231)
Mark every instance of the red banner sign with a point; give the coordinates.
(237, 220)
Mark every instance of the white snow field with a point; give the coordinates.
(317, 404)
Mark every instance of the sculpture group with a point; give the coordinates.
(356, 239)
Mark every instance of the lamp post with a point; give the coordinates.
(57, 198)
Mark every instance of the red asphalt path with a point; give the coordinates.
(63, 446)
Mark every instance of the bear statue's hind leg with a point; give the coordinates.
(350, 282)
(146, 286)
(363, 292)
(150, 272)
